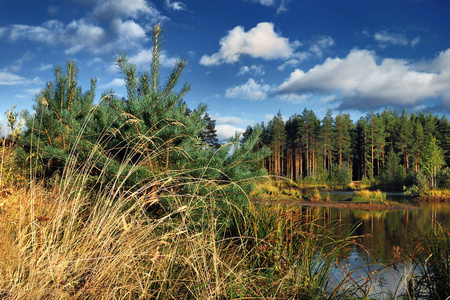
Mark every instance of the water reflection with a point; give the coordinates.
(386, 236)
(384, 232)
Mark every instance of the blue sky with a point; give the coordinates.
(247, 59)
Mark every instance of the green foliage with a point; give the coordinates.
(393, 174)
(432, 159)
(341, 176)
(61, 114)
(443, 178)
(419, 186)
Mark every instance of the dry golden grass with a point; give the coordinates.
(60, 244)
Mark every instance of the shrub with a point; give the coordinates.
(341, 176)
(419, 187)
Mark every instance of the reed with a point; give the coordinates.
(430, 278)
(176, 236)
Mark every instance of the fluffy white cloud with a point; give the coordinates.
(440, 64)
(257, 70)
(364, 83)
(128, 29)
(259, 42)
(77, 35)
(81, 35)
(225, 131)
(250, 90)
(48, 32)
(175, 5)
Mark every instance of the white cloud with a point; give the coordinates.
(320, 45)
(257, 70)
(49, 32)
(81, 36)
(259, 42)
(250, 90)
(440, 64)
(77, 35)
(128, 29)
(365, 84)
(109, 9)
(8, 78)
(385, 38)
(224, 131)
(175, 5)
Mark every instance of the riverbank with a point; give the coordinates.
(336, 204)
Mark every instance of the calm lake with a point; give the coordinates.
(385, 234)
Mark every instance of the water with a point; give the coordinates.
(386, 235)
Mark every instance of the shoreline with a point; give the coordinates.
(340, 205)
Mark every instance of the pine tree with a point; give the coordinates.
(61, 113)
(443, 135)
(403, 142)
(308, 130)
(209, 133)
(417, 143)
(376, 141)
(343, 127)
(277, 143)
(326, 133)
(294, 144)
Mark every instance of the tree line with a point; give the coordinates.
(387, 146)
